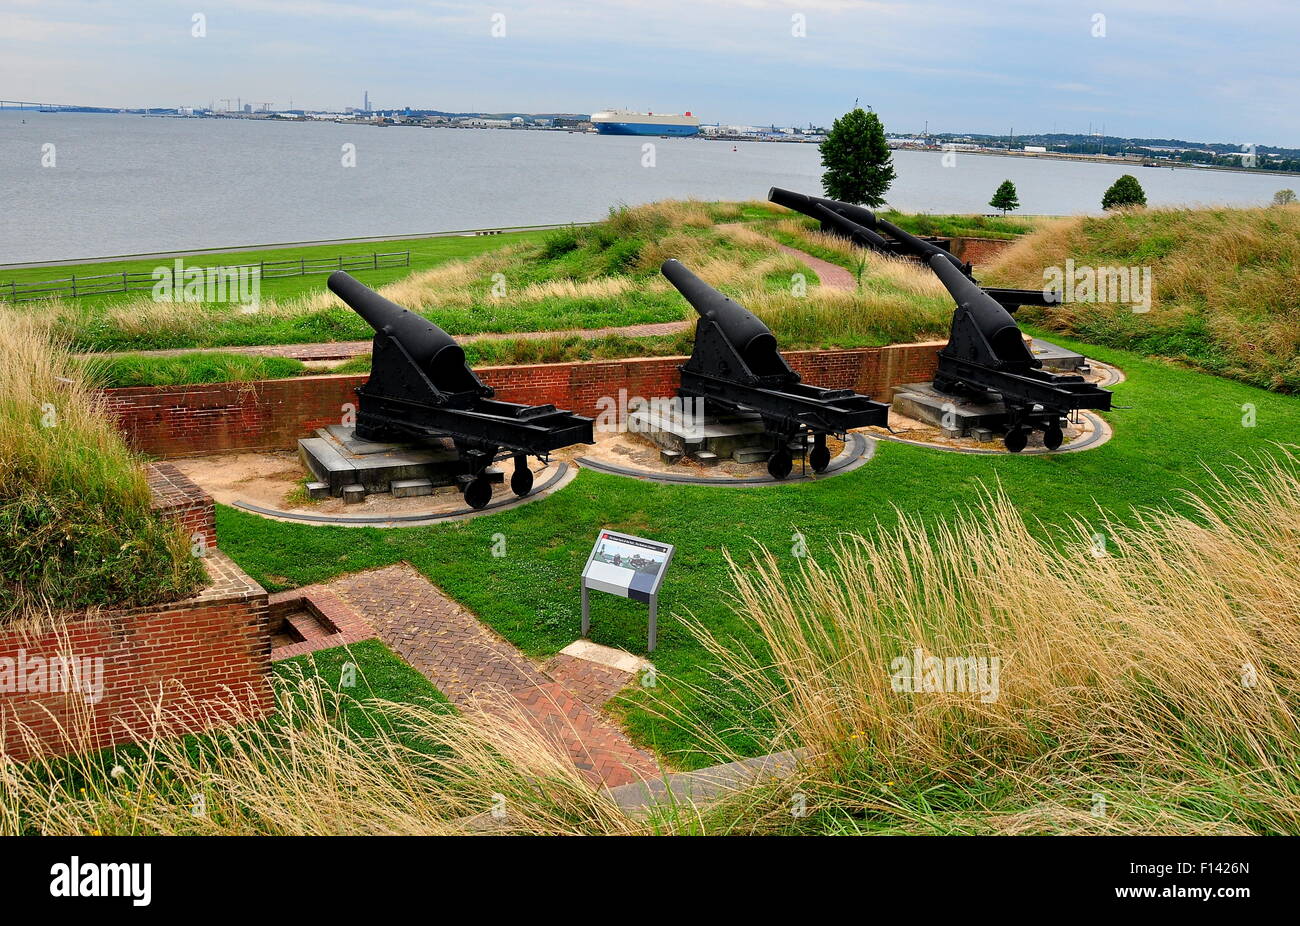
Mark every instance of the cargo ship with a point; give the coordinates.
(622, 122)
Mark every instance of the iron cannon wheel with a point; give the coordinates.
(1016, 439)
(479, 492)
(819, 457)
(1053, 437)
(780, 463)
(521, 480)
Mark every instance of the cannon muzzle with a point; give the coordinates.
(802, 202)
(750, 338)
(435, 351)
(978, 310)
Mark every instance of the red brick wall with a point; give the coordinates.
(173, 421)
(203, 659)
(170, 421)
(977, 251)
(176, 497)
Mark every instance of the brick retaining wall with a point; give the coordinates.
(979, 251)
(174, 421)
(213, 647)
(176, 497)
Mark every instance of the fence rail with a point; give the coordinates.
(127, 281)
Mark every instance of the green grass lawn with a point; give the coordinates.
(377, 672)
(1171, 424)
(425, 253)
(576, 277)
(968, 226)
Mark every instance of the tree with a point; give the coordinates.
(1005, 198)
(859, 168)
(1126, 191)
(1284, 197)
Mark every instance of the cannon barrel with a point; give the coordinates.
(1000, 330)
(752, 339)
(922, 250)
(433, 350)
(858, 234)
(816, 207)
(802, 202)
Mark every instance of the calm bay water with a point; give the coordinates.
(126, 184)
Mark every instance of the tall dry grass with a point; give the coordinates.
(825, 317)
(1224, 286)
(76, 528)
(423, 770)
(1153, 688)
(877, 271)
(1149, 689)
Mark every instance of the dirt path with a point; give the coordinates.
(831, 275)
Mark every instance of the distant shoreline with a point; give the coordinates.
(1132, 162)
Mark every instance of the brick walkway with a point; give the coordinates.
(474, 667)
(831, 275)
(591, 683)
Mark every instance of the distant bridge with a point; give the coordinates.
(28, 104)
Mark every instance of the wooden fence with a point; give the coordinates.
(100, 284)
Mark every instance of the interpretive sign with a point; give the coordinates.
(627, 566)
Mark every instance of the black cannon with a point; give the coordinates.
(421, 388)
(986, 352)
(862, 226)
(865, 229)
(735, 366)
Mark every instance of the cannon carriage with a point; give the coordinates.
(421, 389)
(736, 367)
(986, 351)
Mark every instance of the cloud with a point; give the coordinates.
(1165, 67)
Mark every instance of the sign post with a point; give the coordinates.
(627, 566)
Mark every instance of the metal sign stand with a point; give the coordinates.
(653, 630)
(617, 565)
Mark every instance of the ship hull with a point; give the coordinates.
(645, 128)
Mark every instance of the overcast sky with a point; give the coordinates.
(1196, 69)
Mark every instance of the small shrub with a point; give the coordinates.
(1126, 191)
(559, 242)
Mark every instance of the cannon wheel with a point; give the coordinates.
(521, 480)
(1053, 437)
(478, 493)
(820, 456)
(1016, 439)
(780, 463)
